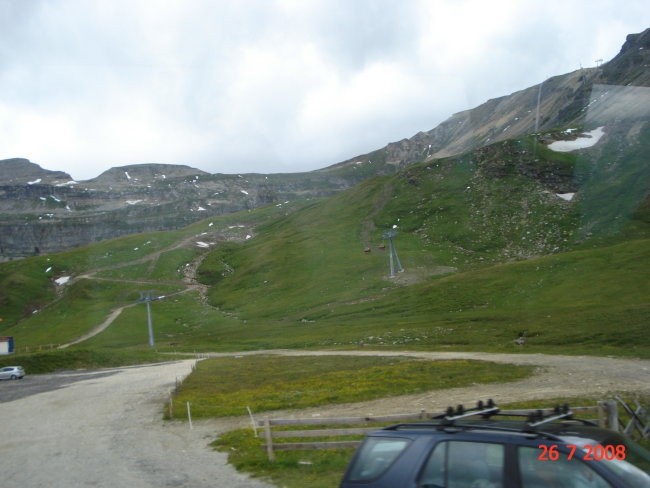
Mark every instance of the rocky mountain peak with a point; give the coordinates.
(20, 171)
(630, 66)
(634, 42)
(144, 174)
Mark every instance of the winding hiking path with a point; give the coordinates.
(189, 283)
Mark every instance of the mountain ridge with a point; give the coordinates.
(45, 211)
(516, 114)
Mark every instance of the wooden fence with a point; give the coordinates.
(270, 434)
(605, 413)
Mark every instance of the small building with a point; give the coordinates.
(6, 345)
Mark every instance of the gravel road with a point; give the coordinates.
(556, 376)
(105, 429)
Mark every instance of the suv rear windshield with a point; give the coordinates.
(375, 456)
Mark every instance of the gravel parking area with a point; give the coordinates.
(105, 429)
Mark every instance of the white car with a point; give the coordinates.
(11, 373)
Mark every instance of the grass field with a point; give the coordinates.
(490, 253)
(227, 386)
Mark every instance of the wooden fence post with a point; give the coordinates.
(189, 415)
(250, 414)
(602, 414)
(612, 415)
(269, 439)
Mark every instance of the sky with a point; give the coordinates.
(272, 86)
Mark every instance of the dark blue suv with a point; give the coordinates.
(455, 451)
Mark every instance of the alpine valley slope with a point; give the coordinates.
(43, 211)
(541, 239)
(511, 243)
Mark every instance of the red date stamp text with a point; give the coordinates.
(587, 452)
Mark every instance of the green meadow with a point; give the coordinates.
(489, 253)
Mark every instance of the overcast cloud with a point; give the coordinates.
(272, 85)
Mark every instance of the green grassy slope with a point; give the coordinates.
(104, 277)
(305, 280)
(490, 253)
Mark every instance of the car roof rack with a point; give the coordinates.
(537, 418)
(484, 410)
(534, 420)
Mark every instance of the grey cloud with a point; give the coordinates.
(261, 85)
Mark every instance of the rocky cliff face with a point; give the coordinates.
(45, 211)
(557, 102)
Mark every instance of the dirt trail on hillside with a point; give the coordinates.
(555, 377)
(189, 283)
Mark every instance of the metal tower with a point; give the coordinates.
(392, 253)
(147, 298)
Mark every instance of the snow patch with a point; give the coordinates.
(584, 141)
(201, 244)
(35, 182)
(62, 280)
(48, 269)
(127, 175)
(133, 202)
(244, 192)
(566, 196)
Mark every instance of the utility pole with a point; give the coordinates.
(147, 298)
(539, 99)
(392, 253)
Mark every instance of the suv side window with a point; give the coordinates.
(375, 456)
(561, 472)
(462, 464)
